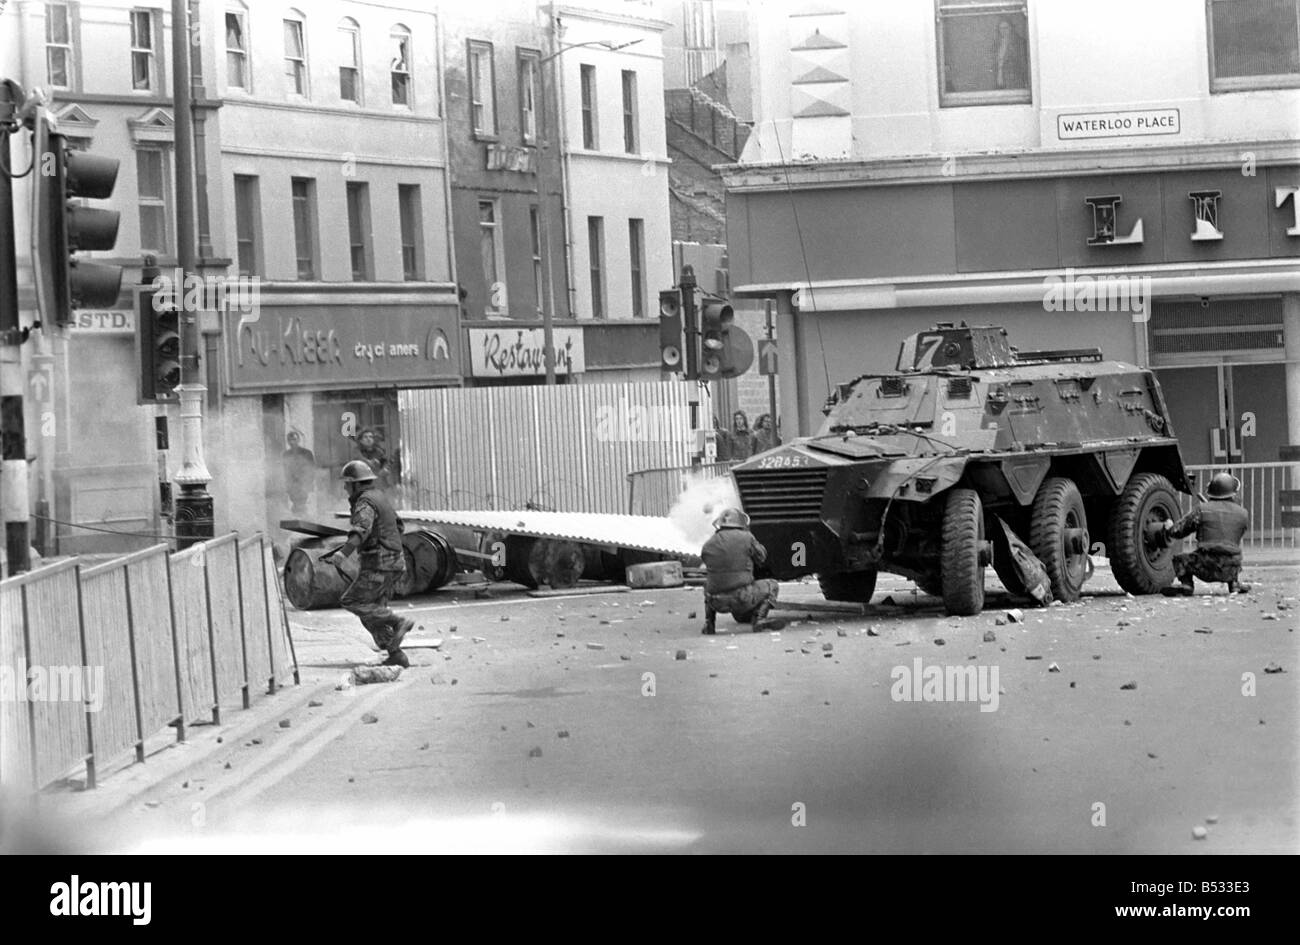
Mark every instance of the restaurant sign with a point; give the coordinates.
(518, 352)
(340, 347)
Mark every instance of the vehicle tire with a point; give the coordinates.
(961, 561)
(931, 584)
(1058, 536)
(1140, 565)
(853, 586)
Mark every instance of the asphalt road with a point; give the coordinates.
(575, 724)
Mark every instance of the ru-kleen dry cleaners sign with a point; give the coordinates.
(519, 352)
(340, 346)
(1148, 121)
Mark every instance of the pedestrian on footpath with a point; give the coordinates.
(729, 559)
(1219, 523)
(376, 532)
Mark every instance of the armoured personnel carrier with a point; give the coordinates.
(912, 471)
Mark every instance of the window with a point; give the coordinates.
(535, 231)
(491, 252)
(589, 108)
(636, 245)
(58, 45)
(408, 208)
(350, 61)
(295, 56)
(359, 231)
(151, 187)
(629, 112)
(482, 90)
(400, 68)
(529, 94)
(1254, 44)
(304, 226)
(698, 25)
(596, 253)
(247, 228)
(236, 50)
(142, 51)
(983, 52)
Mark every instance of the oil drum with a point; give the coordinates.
(311, 583)
(430, 563)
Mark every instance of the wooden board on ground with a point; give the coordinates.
(820, 608)
(581, 591)
(316, 529)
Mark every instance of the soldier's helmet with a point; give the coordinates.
(731, 518)
(358, 471)
(1223, 486)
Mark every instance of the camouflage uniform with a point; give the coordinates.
(729, 558)
(1219, 525)
(379, 531)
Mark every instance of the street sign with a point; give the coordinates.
(767, 356)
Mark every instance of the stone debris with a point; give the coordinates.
(535, 752)
(562, 733)
(841, 632)
(1212, 819)
(1199, 833)
(1033, 657)
(690, 616)
(595, 646)
(1270, 616)
(680, 655)
(1000, 622)
(1129, 685)
(990, 636)
(1274, 667)
(765, 692)
(1016, 615)
(1053, 668)
(1203, 630)
(624, 657)
(480, 639)
(369, 718)
(344, 683)
(315, 704)
(873, 631)
(1122, 623)
(827, 647)
(285, 723)
(939, 641)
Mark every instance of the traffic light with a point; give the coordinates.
(61, 229)
(159, 339)
(670, 329)
(716, 318)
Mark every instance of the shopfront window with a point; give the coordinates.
(1254, 44)
(983, 53)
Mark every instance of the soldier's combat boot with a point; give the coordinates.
(763, 622)
(1178, 590)
(710, 621)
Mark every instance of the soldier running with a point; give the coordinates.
(377, 532)
(729, 558)
(1219, 524)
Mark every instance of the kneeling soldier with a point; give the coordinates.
(1219, 524)
(729, 558)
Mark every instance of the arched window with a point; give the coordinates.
(349, 60)
(295, 52)
(400, 66)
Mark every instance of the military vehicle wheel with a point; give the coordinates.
(1058, 536)
(853, 586)
(1141, 563)
(964, 553)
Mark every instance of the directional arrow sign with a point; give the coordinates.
(767, 357)
(41, 380)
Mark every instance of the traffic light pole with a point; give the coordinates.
(193, 504)
(14, 496)
(692, 326)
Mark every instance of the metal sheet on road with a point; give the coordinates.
(639, 532)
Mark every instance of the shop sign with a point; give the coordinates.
(518, 352)
(1150, 121)
(340, 347)
(89, 322)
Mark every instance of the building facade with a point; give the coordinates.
(1106, 174)
(321, 192)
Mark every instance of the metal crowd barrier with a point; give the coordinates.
(94, 661)
(1262, 489)
(654, 491)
